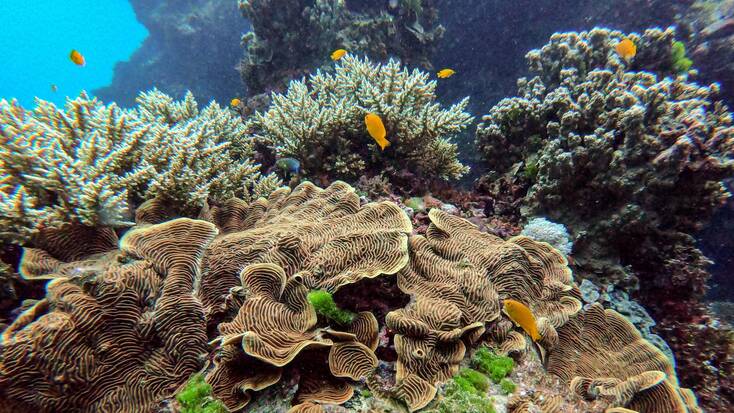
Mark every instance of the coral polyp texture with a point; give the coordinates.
(246, 298)
(91, 164)
(277, 50)
(320, 121)
(119, 339)
(633, 162)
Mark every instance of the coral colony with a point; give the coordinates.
(181, 276)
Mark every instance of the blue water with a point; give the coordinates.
(38, 35)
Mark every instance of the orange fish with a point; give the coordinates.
(77, 58)
(338, 54)
(626, 49)
(522, 316)
(445, 73)
(376, 129)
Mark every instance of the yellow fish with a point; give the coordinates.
(235, 102)
(338, 54)
(77, 58)
(376, 129)
(521, 315)
(445, 73)
(626, 49)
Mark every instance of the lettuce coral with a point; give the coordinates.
(91, 163)
(320, 121)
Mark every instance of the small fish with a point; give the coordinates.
(445, 73)
(77, 58)
(376, 129)
(626, 49)
(54, 88)
(522, 316)
(393, 4)
(338, 54)
(289, 165)
(235, 102)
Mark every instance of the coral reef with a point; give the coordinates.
(241, 280)
(292, 38)
(139, 307)
(631, 162)
(320, 122)
(540, 229)
(191, 46)
(91, 164)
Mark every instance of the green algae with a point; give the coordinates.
(196, 397)
(507, 386)
(680, 62)
(495, 366)
(325, 306)
(466, 392)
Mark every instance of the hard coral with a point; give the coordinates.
(91, 164)
(320, 121)
(140, 309)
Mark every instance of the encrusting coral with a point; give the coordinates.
(241, 282)
(320, 121)
(91, 164)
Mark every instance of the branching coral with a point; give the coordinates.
(91, 163)
(320, 121)
(315, 28)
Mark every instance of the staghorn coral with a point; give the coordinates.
(90, 164)
(291, 38)
(622, 367)
(631, 162)
(320, 121)
(141, 309)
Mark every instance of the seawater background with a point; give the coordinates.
(38, 35)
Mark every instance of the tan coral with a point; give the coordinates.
(458, 277)
(602, 355)
(141, 310)
(322, 234)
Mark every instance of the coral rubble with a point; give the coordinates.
(320, 121)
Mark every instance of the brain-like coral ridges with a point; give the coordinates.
(119, 339)
(459, 277)
(623, 367)
(253, 275)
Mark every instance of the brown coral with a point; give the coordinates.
(322, 234)
(65, 353)
(458, 276)
(602, 355)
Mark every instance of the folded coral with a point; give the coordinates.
(171, 287)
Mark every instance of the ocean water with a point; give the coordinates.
(437, 236)
(37, 37)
